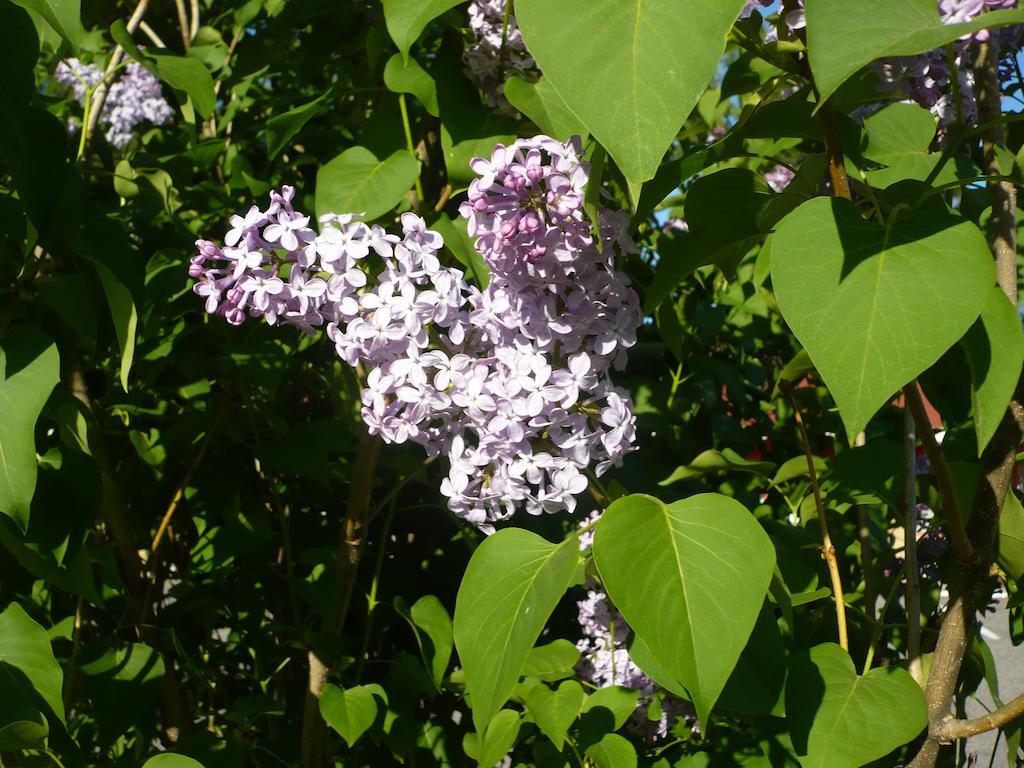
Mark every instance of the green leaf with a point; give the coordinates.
(711, 460)
(282, 128)
(498, 739)
(544, 105)
(171, 760)
(620, 702)
(842, 38)
(550, 662)
(189, 78)
(433, 632)
(511, 586)
(25, 648)
(124, 315)
(22, 725)
(866, 474)
(841, 720)
(797, 467)
(899, 137)
(32, 368)
(757, 684)
(357, 182)
(646, 66)
(875, 308)
(65, 16)
(690, 579)
(1011, 537)
(351, 711)
(406, 76)
(612, 751)
(406, 19)
(554, 711)
(995, 354)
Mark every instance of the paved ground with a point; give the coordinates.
(1010, 670)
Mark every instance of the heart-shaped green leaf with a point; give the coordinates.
(841, 720)
(544, 105)
(407, 76)
(171, 760)
(645, 62)
(32, 367)
(995, 354)
(553, 661)
(554, 711)
(357, 182)
(612, 751)
(874, 308)
(406, 19)
(351, 711)
(25, 648)
(433, 628)
(690, 578)
(843, 37)
(899, 137)
(511, 586)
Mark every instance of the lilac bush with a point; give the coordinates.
(511, 383)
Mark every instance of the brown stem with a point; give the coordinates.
(962, 729)
(1003, 194)
(350, 552)
(828, 551)
(183, 23)
(834, 151)
(910, 549)
(950, 503)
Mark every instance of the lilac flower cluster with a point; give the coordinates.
(496, 52)
(510, 383)
(778, 177)
(925, 79)
(135, 98)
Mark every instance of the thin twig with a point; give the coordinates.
(152, 35)
(950, 503)
(961, 729)
(828, 550)
(183, 22)
(193, 29)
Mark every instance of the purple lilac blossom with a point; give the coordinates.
(925, 79)
(135, 98)
(511, 383)
(496, 52)
(778, 178)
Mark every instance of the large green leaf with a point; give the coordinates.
(357, 182)
(843, 37)
(631, 70)
(29, 370)
(544, 105)
(65, 16)
(612, 751)
(351, 711)
(554, 711)
(899, 137)
(690, 579)
(841, 720)
(25, 648)
(406, 19)
(874, 308)
(554, 661)
(995, 354)
(511, 586)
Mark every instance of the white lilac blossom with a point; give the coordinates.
(511, 383)
(133, 99)
(925, 79)
(497, 51)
